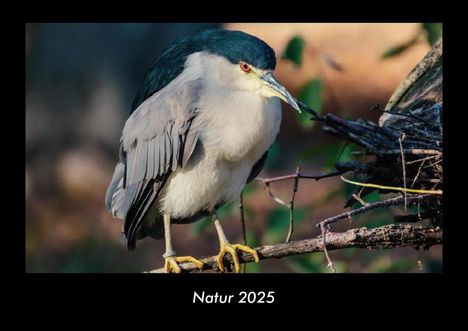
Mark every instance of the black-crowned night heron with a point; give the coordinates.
(201, 126)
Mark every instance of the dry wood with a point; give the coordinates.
(390, 236)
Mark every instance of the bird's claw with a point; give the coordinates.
(231, 249)
(172, 263)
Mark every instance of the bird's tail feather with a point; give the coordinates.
(135, 217)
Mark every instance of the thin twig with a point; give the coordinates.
(433, 164)
(403, 165)
(409, 115)
(274, 197)
(242, 219)
(291, 206)
(296, 176)
(413, 151)
(393, 188)
(422, 159)
(302, 176)
(324, 245)
(407, 151)
(419, 171)
(359, 199)
(325, 224)
(437, 183)
(315, 115)
(379, 204)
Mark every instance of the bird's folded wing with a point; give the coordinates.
(157, 138)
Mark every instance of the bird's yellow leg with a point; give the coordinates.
(171, 261)
(226, 247)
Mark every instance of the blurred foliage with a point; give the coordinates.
(315, 262)
(200, 226)
(308, 263)
(385, 263)
(374, 218)
(398, 49)
(96, 257)
(278, 224)
(90, 256)
(311, 94)
(253, 241)
(328, 154)
(370, 261)
(252, 238)
(431, 32)
(341, 152)
(433, 265)
(249, 189)
(294, 50)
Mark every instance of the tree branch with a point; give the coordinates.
(295, 175)
(389, 236)
(379, 204)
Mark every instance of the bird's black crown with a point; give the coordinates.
(237, 46)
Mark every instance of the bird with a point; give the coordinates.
(199, 130)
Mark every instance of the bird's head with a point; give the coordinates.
(243, 62)
(234, 59)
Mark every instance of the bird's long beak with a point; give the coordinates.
(279, 89)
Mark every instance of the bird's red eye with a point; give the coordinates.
(245, 67)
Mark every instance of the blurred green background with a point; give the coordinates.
(80, 82)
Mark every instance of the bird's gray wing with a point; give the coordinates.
(157, 138)
(258, 166)
(113, 194)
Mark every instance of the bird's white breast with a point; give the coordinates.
(235, 129)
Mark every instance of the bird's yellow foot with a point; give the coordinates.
(172, 263)
(231, 249)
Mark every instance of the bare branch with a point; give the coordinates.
(267, 181)
(389, 236)
(291, 206)
(392, 188)
(242, 219)
(323, 229)
(359, 199)
(296, 176)
(403, 166)
(379, 204)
